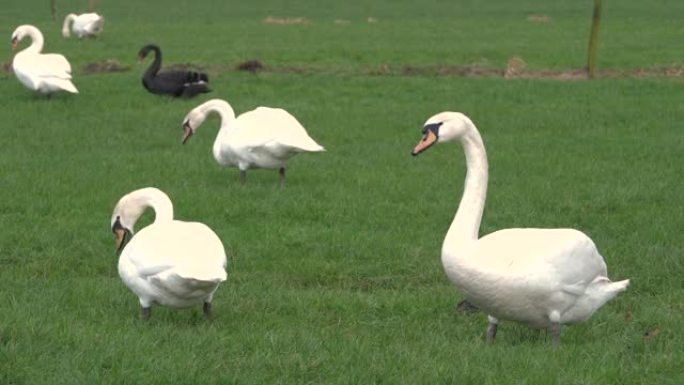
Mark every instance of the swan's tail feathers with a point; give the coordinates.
(619, 286)
(66, 85)
(197, 77)
(303, 142)
(98, 25)
(193, 89)
(195, 83)
(602, 290)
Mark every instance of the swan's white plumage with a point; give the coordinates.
(83, 25)
(534, 276)
(170, 262)
(262, 138)
(45, 73)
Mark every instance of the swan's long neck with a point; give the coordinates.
(156, 64)
(221, 107)
(134, 205)
(36, 40)
(466, 224)
(66, 27)
(162, 206)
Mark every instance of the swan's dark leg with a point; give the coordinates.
(554, 331)
(243, 176)
(146, 312)
(281, 173)
(491, 328)
(207, 309)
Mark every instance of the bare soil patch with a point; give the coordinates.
(252, 66)
(106, 66)
(538, 18)
(285, 20)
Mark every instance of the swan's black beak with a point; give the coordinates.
(120, 234)
(187, 132)
(430, 135)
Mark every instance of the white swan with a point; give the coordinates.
(262, 138)
(42, 72)
(539, 277)
(83, 25)
(170, 262)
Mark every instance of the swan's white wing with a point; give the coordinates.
(565, 257)
(90, 23)
(51, 65)
(273, 127)
(189, 249)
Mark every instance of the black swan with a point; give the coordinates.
(173, 82)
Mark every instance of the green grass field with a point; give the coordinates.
(336, 278)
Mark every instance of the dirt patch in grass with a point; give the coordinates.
(284, 20)
(252, 66)
(106, 66)
(538, 18)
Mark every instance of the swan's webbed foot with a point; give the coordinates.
(281, 175)
(554, 332)
(491, 328)
(207, 310)
(243, 176)
(146, 313)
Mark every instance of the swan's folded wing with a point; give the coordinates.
(95, 24)
(265, 126)
(47, 65)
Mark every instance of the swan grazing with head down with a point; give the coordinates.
(178, 83)
(83, 25)
(170, 262)
(42, 72)
(262, 138)
(539, 277)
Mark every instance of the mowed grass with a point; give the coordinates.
(336, 278)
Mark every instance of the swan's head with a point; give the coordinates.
(192, 120)
(123, 220)
(443, 127)
(145, 50)
(126, 213)
(199, 114)
(18, 35)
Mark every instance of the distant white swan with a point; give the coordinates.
(42, 72)
(539, 277)
(170, 262)
(83, 25)
(262, 138)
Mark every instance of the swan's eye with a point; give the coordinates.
(434, 127)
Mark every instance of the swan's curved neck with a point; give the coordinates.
(36, 40)
(466, 224)
(66, 27)
(162, 206)
(156, 64)
(139, 200)
(222, 108)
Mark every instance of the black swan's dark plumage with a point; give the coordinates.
(172, 82)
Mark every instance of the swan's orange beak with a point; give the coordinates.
(428, 140)
(120, 236)
(187, 132)
(15, 43)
